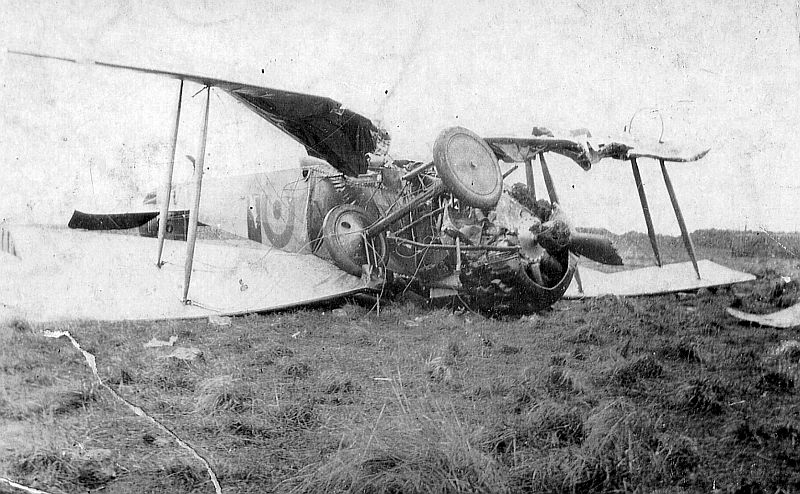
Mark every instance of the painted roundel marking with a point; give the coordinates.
(277, 219)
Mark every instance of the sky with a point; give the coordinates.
(724, 73)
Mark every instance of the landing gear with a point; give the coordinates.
(468, 167)
(344, 236)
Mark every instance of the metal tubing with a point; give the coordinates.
(529, 179)
(458, 256)
(463, 248)
(194, 213)
(166, 187)
(380, 225)
(416, 171)
(419, 220)
(687, 240)
(637, 177)
(510, 171)
(548, 180)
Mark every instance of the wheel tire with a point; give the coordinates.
(538, 296)
(504, 288)
(342, 233)
(468, 167)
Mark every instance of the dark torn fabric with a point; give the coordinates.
(339, 136)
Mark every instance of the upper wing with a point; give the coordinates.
(519, 149)
(662, 150)
(586, 151)
(328, 131)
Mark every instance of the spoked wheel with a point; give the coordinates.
(468, 167)
(343, 233)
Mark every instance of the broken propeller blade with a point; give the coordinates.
(595, 247)
(116, 221)
(119, 221)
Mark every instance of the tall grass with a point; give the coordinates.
(421, 447)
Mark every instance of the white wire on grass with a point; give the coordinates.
(91, 361)
(774, 239)
(23, 488)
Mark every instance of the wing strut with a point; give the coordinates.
(551, 192)
(191, 237)
(548, 179)
(166, 189)
(687, 240)
(637, 177)
(529, 179)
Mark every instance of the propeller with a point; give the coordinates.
(557, 233)
(595, 247)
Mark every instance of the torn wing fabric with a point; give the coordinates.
(520, 149)
(339, 136)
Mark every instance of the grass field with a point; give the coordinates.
(661, 393)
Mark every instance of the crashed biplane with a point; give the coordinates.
(349, 219)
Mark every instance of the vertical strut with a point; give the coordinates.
(548, 180)
(574, 258)
(194, 213)
(687, 240)
(646, 210)
(551, 192)
(166, 187)
(529, 179)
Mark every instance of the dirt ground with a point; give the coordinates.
(664, 393)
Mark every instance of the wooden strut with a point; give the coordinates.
(551, 192)
(191, 237)
(577, 276)
(166, 187)
(687, 240)
(529, 179)
(637, 177)
(548, 180)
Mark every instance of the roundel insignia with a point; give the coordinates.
(277, 219)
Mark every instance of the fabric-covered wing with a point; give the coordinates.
(57, 274)
(519, 149)
(339, 136)
(586, 150)
(653, 280)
